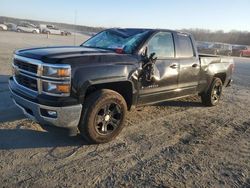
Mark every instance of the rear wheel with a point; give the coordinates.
(213, 95)
(34, 32)
(18, 30)
(103, 116)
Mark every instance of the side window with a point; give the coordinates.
(185, 49)
(162, 45)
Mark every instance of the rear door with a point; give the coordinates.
(189, 64)
(167, 68)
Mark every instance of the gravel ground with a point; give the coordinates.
(173, 144)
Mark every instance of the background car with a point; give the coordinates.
(27, 28)
(66, 33)
(11, 26)
(219, 49)
(3, 27)
(50, 29)
(202, 46)
(237, 50)
(245, 52)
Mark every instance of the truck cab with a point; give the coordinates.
(177, 67)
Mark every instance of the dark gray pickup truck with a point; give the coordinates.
(92, 86)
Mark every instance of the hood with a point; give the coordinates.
(61, 52)
(74, 55)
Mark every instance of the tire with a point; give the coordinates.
(34, 32)
(103, 116)
(18, 30)
(1, 29)
(213, 95)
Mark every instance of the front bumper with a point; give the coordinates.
(67, 117)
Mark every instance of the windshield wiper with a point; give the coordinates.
(96, 47)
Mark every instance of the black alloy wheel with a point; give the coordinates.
(108, 118)
(103, 116)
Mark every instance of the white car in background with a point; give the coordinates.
(27, 28)
(50, 29)
(3, 27)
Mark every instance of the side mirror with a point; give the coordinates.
(152, 56)
(147, 57)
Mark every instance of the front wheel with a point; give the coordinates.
(103, 116)
(213, 95)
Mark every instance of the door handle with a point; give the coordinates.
(195, 65)
(174, 65)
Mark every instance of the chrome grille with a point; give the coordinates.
(26, 66)
(26, 81)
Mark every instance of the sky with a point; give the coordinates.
(224, 15)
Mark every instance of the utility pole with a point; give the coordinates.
(75, 28)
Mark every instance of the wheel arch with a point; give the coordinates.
(124, 88)
(221, 76)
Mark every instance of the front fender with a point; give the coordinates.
(85, 77)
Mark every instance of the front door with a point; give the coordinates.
(166, 69)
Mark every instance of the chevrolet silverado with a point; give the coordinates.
(92, 86)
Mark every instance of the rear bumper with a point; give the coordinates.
(67, 117)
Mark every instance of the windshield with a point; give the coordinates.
(113, 40)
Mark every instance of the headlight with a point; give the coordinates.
(57, 79)
(56, 88)
(57, 72)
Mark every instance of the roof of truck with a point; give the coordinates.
(139, 30)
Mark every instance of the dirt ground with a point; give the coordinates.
(174, 144)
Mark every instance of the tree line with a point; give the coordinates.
(232, 37)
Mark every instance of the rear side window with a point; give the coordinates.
(162, 45)
(185, 46)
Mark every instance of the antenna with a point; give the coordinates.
(75, 28)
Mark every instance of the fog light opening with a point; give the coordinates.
(52, 113)
(48, 113)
